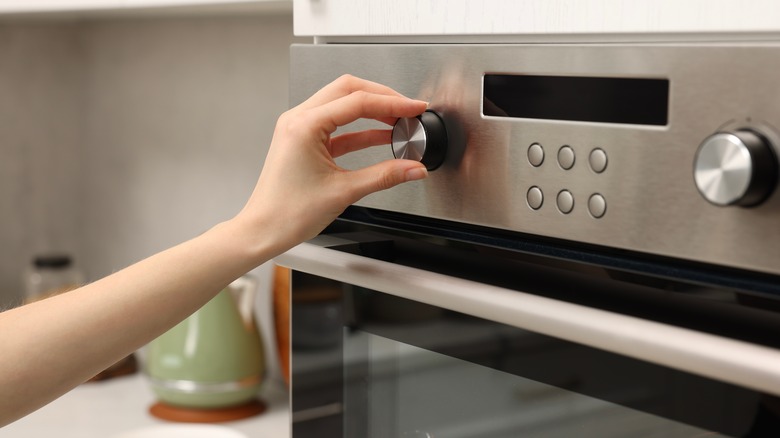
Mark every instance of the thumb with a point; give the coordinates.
(384, 175)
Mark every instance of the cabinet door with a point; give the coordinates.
(534, 19)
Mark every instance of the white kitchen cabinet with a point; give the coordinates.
(70, 7)
(537, 19)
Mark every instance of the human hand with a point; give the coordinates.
(301, 189)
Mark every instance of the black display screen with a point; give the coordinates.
(575, 98)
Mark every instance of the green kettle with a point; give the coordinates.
(214, 359)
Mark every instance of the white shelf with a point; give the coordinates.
(99, 7)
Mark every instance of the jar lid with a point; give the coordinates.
(52, 261)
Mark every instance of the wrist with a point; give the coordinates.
(258, 239)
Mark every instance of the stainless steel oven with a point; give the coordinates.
(596, 252)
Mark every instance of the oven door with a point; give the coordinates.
(422, 337)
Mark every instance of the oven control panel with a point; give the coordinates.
(667, 149)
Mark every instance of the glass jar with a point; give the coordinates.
(49, 275)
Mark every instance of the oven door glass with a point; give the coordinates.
(371, 364)
(413, 392)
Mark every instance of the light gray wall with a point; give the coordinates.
(180, 116)
(119, 138)
(41, 128)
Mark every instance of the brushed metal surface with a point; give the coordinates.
(409, 139)
(654, 205)
(723, 169)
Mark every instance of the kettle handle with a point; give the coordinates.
(243, 291)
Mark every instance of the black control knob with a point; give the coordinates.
(735, 168)
(422, 138)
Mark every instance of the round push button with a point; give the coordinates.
(565, 201)
(536, 155)
(598, 160)
(535, 198)
(566, 157)
(597, 205)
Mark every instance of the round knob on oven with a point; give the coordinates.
(422, 138)
(735, 168)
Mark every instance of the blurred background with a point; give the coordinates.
(121, 137)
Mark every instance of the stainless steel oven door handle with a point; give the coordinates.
(723, 359)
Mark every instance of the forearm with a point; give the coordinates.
(53, 345)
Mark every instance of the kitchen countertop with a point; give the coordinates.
(106, 409)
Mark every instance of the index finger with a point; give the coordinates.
(362, 105)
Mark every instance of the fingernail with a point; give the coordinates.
(416, 173)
